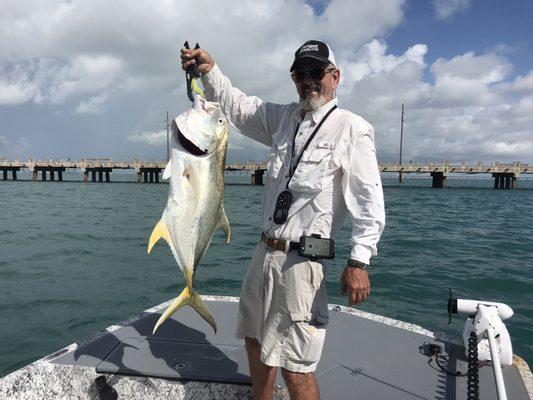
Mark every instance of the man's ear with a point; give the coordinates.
(336, 78)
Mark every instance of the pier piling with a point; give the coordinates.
(34, 175)
(4, 173)
(43, 175)
(439, 180)
(93, 173)
(52, 175)
(257, 177)
(504, 180)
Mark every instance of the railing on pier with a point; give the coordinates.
(505, 175)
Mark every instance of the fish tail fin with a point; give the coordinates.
(182, 300)
(200, 307)
(160, 231)
(193, 299)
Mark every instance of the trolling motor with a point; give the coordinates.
(485, 338)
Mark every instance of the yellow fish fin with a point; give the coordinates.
(180, 301)
(160, 231)
(192, 299)
(200, 307)
(223, 224)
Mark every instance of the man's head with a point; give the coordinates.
(315, 74)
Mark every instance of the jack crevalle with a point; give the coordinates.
(195, 207)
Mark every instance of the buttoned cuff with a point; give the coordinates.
(213, 79)
(361, 253)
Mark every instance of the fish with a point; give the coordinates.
(194, 208)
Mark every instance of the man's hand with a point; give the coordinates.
(357, 283)
(199, 57)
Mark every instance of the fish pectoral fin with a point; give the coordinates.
(200, 307)
(180, 301)
(223, 224)
(166, 172)
(160, 231)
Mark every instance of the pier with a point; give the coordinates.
(99, 170)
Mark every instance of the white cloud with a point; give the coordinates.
(122, 65)
(91, 106)
(520, 85)
(13, 148)
(448, 8)
(55, 81)
(151, 138)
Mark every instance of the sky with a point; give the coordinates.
(95, 79)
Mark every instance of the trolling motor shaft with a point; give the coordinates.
(485, 323)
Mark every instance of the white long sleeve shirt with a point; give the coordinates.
(337, 175)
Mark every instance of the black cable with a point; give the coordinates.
(435, 351)
(472, 385)
(443, 369)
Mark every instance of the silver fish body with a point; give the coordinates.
(195, 207)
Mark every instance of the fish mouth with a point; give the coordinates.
(189, 146)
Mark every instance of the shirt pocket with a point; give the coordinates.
(278, 152)
(310, 174)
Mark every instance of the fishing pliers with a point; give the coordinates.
(192, 75)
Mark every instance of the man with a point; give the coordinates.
(324, 157)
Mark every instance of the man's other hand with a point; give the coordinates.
(196, 56)
(356, 283)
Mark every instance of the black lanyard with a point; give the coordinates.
(293, 169)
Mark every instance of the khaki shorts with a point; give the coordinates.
(284, 306)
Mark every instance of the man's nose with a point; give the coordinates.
(307, 77)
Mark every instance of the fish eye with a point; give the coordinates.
(220, 121)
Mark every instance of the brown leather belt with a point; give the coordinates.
(279, 244)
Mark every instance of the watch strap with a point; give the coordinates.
(357, 264)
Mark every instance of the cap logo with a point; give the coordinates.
(309, 47)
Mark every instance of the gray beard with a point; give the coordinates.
(312, 104)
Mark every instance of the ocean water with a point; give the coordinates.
(73, 256)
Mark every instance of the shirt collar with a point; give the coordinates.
(318, 114)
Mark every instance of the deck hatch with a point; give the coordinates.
(177, 361)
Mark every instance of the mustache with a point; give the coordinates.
(317, 87)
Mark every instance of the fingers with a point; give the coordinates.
(356, 282)
(357, 296)
(188, 57)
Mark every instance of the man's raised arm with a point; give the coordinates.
(253, 117)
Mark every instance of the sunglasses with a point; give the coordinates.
(315, 74)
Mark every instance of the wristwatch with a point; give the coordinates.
(357, 264)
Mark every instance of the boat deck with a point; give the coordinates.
(365, 356)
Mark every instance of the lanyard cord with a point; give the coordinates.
(293, 169)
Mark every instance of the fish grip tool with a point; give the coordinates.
(191, 75)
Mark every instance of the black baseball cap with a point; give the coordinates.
(314, 49)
